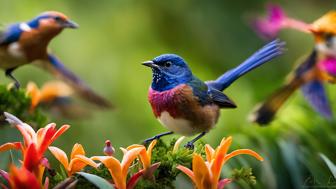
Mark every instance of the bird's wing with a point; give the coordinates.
(221, 99)
(10, 34)
(265, 54)
(265, 112)
(315, 94)
(54, 66)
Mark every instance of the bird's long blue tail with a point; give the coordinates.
(265, 54)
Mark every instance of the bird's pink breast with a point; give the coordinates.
(170, 100)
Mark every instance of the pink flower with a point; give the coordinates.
(276, 20)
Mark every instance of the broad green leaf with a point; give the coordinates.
(96, 180)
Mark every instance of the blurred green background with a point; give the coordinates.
(212, 36)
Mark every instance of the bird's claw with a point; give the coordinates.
(17, 85)
(189, 145)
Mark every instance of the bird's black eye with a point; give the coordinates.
(329, 39)
(58, 19)
(167, 64)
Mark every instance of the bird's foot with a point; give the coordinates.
(189, 145)
(17, 85)
(9, 74)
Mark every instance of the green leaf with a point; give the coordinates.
(96, 180)
(330, 164)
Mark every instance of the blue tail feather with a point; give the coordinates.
(265, 54)
(315, 94)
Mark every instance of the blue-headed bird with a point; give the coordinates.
(27, 42)
(311, 74)
(186, 105)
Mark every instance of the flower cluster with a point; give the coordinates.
(30, 174)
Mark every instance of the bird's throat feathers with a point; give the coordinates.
(164, 81)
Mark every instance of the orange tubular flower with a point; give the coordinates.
(49, 91)
(78, 160)
(24, 179)
(206, 174)
(35, 143)
(119, 170)
(146, 157)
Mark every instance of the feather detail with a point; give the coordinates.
(265, 54)
(181, 104)
(315, 94)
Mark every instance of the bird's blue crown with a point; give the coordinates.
(169, 71)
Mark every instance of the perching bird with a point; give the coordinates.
(27, 42)
(186, 105)
(318, 68)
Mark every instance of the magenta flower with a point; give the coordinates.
(268, 27)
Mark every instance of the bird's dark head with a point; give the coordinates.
(169, 71)
(51, 22)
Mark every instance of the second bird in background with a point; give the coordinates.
(27, 42)
(311, 74)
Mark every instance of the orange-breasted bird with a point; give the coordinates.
(311, 74)
(27, 42)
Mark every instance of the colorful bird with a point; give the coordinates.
(186, 105)
(27, 42)
(318, 68)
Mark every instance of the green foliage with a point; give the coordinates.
(96, 180)
(244, 174)
(166, 174)
(17, 103)
(101, 171)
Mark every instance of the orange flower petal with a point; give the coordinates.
(134, 146)
(22, 178)
(129, 158)
(10, 146)
(115, 169)
(77, 150)
(79, 162)
(201, 173)
(209, 152)
(187, 171)
(150, 149)
(34, 93)
(59, 132)
(123, 150)
(60, 156)
(53, 89)
(26, 135)
(244, 151)
(218, 159)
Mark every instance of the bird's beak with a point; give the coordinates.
(150, 64)
(70, 24)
